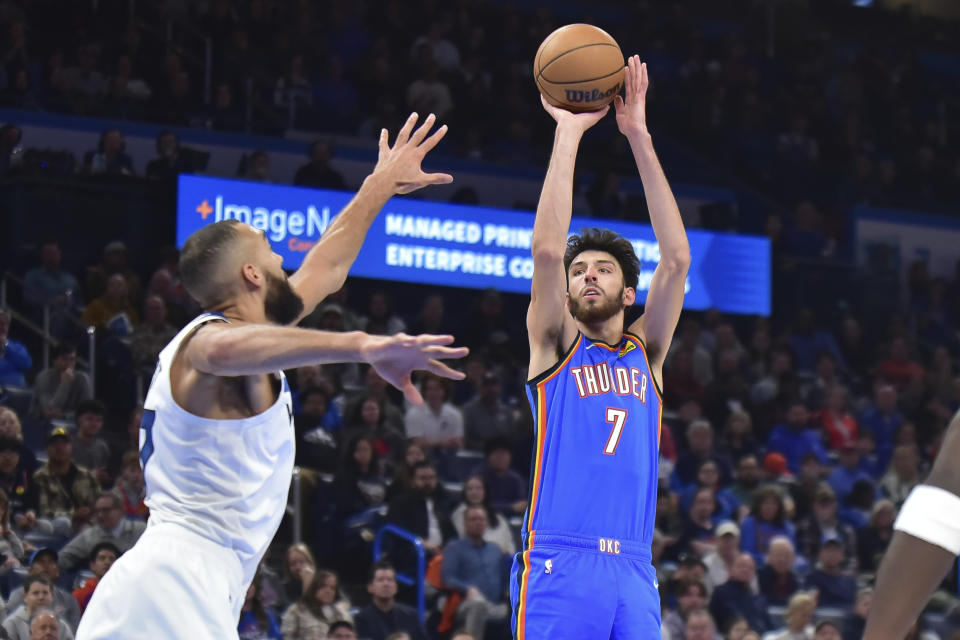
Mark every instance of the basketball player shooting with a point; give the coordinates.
(926, 542)
(585, 570)
(217, 438)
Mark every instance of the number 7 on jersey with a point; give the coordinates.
(616, 417)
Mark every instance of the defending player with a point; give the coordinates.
(585, 569)
(926, 542)
(217, 439)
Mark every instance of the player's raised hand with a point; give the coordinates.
(400, 164)
(632, 107)
(580, 121)
(396, 357)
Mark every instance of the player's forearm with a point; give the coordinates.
(330, 259)
(896, 606)
(555, 208)
(255, 349)
(664, 213)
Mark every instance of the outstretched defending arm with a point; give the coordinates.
(549, 325)
(231, 350)
(398, 171)
(665, 296)
(924, 546)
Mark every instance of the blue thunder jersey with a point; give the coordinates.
(597, 428)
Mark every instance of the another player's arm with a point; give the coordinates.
(665, 296)
(224, 350)
(912, 567)
(549, 325)
(398, 171)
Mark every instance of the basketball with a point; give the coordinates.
(579, 67)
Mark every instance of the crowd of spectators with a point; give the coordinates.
(788, 443)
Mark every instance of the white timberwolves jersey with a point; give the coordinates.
(225, 480)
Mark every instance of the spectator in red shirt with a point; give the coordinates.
(839, 425)
(102, 558)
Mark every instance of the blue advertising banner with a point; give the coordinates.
(464, 246)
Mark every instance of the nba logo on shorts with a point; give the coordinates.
(548, 566)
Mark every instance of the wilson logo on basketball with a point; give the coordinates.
(575, 96)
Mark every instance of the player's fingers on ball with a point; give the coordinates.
(438, 368)
(644, 78)
(432, 141)
(407, 127)
(422, 130)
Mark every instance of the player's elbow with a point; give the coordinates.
(676, 261)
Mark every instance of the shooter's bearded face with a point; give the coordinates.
(282, 304)
(591, 304)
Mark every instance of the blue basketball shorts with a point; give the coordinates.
(576, 587)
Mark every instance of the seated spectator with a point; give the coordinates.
(65, 492)
(299, 568)
(360, 484)
(855, 622)
(43, 562)
(380, 318)
(256, 621)
(700, 626)
(58, 390)
(171, 160)
(475, 495)
(735, 597)
(436, 423)
(798, 619)
(44, 625)
(746, 480)
(109, 526)
(342, 630)
(38, 596)
(131, 488)
(320, 606)
(424, 511)
(11, 547)
(315, 422)
(822, 523)
(403, 479)
(804, 487)
(113, 261)
(691, 596)
(826, 630)
(848, 472)
(899, 368)
(507, 489)
(151, 337)
(110, 157)
(738, 439)
(387, 442)
(15, 360)
(903, 474)
(90, 451)
(16, 483)
(708, 475)
(701, 447)
(476, 569)
(777, 579)
(384, 615)
(767, 519)
(873, 540)
(48, 283)
(486, 416)
(317, 173)
(377, 388)
(102, 557)
(883, 420)
(839, 426)
(722, 558)
(794, 438)
(834, 588)
(255, 166)
(113, 311)
(859, 505)
(698, 534)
